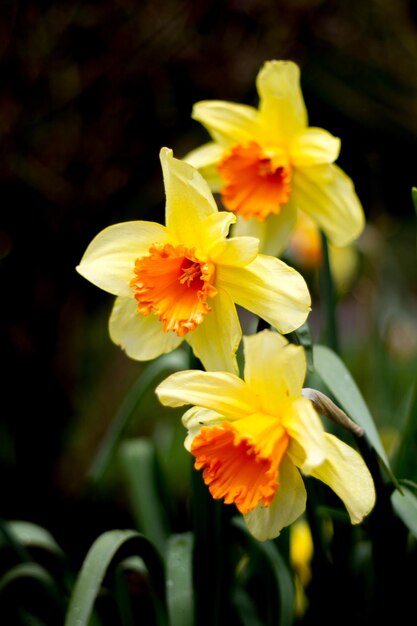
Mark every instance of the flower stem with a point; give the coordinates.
(328, 295)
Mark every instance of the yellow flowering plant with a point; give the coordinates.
(253, 438)
(267, 163)
(181, 281)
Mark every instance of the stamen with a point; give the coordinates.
(172, 283)
(257, 184)
(238, 469)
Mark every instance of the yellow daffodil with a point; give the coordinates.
(181, 281)
(268, 162)
(304, 250)
(252, 436)
(301, 554)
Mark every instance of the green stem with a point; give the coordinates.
(329, 300)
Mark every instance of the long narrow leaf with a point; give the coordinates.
(30, 586)
(139, 467)
(405, 460)
(173, 361)
(179, 580)
(405, 506)
(110, 548)
(31, 535)
(340, 383)
(284, 584)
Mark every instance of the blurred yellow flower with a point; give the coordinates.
(252, 436)
(181, 281)
(301, 554)
(304, 250)
(267, 163)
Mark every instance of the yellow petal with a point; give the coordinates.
(227, 123)
(141, 337)
(205, 159)
(222, 392)
(274, 369)
(269, 288)
(109, 260)
(308, 446)
(273, 233)
(216, 340)
(345, 472)
(314, 146)
(189, 201)
(235, 251)
(214, 230)
(329, 198)
(282, 111)
(195, 418)
(288, 504)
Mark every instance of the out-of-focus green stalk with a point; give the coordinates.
(328, 298)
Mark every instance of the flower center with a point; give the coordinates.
(237, 468)
(174, 284)
(256, 183)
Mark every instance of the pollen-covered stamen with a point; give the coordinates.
(239, 469)
(172, 283)
(257, 183)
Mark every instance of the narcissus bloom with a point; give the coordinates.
(181, 281)
(268, 162)
(252, 437)
(304, 251)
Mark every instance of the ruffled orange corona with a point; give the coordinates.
(239, 469)
(257, 184)
(174, 284)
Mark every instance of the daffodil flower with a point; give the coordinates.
(267, 163)
(181, 281)
(252, 437)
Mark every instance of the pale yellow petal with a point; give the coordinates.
(313, 146)
(109, 260)
(195, 418)
(227, 123)
(205, 159)
(235, 251)
(274, 369)
(308, 445)
(222, 392)
(216, 340)
(189, 201)
(327, 195)
(288, 504)
(282, 112)
(141, 337)
(345, 472)
(273, 233)
(214, 230)
(269, 288)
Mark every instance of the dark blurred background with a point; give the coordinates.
(89, 93)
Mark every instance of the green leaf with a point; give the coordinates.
(405, 460)
(31, 535)
(302, 337)
(179, 580)
(30, 586)
(107, 551)
(284, 584)
(140, 469)
(405, 506)
(174, 361)
(340, 383)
